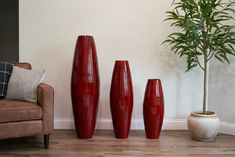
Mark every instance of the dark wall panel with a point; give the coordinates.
(9, 30)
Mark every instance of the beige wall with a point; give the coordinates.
(123, 29)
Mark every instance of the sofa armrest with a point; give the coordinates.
(45, 99)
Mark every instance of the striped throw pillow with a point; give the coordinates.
(5, 73)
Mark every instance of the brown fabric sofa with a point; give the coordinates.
(19, 118)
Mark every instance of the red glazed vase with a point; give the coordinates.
(121, 99)
(153, 108)
(85, 86)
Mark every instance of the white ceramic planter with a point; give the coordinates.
(204, 127)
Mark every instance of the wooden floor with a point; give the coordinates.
(103, 144)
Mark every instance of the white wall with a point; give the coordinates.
(221, 92)
(123, 29)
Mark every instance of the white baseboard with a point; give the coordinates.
(137, 124)
(64, 123)
(227, 128)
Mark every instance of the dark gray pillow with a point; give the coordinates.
(5, 73)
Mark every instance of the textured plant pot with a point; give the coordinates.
(85, 86)
(204, 127)
(121, 99)
(153, 108)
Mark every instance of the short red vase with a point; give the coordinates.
(121, 99)
(153, 108)
(85, 86)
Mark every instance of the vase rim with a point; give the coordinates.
(121, 60)
(85, 36)
(208, 114)
(154, 79)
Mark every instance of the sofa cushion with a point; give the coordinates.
(23, 84)
(13, 111)
(19, 129)
(5, 73)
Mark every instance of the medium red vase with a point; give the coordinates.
(85, 86)
(153, 108)
(121, 99)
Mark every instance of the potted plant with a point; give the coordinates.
(205, 31)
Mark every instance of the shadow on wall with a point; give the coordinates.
(170, 62)
(58, 74)
(63, 89)
(221, 89)
(185, 95)
(104, 103)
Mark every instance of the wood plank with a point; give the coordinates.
(64, 143)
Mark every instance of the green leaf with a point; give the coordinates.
(219, 59)
(203, 25)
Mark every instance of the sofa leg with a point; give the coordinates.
(46, 141)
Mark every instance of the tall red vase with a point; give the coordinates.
(121, 99)
(85, 86)
(153, 108)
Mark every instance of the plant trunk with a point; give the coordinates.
(205, 85)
